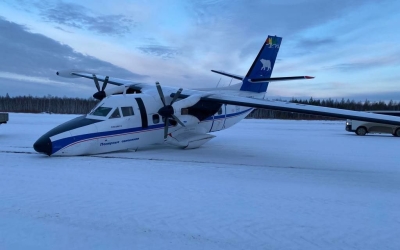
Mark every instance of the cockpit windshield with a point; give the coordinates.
(101, 111)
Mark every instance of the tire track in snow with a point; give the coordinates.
(105, 156)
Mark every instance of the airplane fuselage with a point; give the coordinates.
(131, 121)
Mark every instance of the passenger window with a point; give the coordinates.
(156, 118)
(115, 114)
(127, 111)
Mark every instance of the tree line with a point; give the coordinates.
(67, 105)
(330, 103)
(48, 104)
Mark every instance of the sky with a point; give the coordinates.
(351, 47)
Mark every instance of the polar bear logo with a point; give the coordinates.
(266, 64)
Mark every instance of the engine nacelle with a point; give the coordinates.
(100, 95)
(187, 119)
(116, 90)
(185, 103)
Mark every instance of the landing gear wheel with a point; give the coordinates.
(361, 131)
(397, 132)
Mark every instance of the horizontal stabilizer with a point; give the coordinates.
(228, 74)
(277, 79)
(271, 79)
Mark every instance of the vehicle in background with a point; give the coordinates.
(3, 118)
(362, 127)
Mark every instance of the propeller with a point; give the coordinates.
(100, 94)
(167, 111)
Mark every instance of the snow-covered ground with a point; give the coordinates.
(263, 184)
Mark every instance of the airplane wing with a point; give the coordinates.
(101, 78)
(299, 108)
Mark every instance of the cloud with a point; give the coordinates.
(79, 17)
(159, 50)
(309, 46)
(59, 28)
(366, 63)
(33, 58)
(281, 18)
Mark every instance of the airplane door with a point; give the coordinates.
(131, 125)
(131, 117)
(143, 113)
(219, 119)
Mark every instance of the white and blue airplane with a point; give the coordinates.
(133, 115)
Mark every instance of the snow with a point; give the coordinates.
(262, 184)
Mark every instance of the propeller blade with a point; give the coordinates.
(179, 121)
(165, 128)
(160, 92)
(125, 89)
(176, 95)
(104, 84)
(96, 82)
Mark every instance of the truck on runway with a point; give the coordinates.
(3, 118)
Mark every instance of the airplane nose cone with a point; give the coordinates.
(43, 145)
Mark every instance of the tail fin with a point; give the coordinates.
(262, 66)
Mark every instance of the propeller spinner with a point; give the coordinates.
(101, 94)
(167, 111)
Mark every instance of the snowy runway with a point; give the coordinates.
(263, 184)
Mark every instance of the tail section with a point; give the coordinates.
(262, 66)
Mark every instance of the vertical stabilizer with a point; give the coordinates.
(262, 66)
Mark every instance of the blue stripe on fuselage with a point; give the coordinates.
(65, 142)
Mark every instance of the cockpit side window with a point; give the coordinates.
(115, 114)
(127, 111)
(101, 111)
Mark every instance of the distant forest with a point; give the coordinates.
(66, 105)
(47, 104)
(342, 104)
